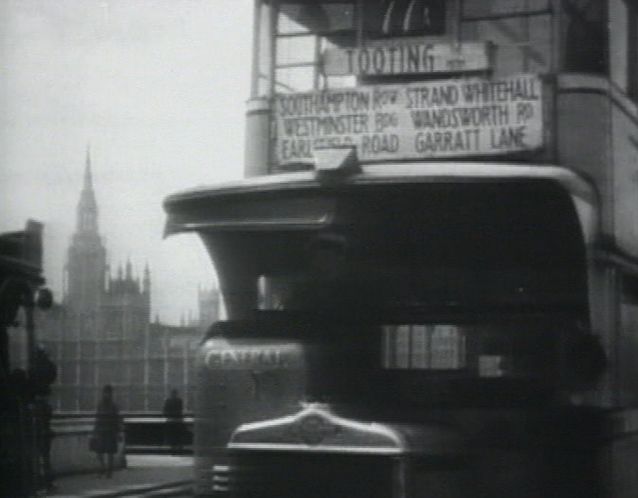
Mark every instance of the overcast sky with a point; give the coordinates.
(158, 90)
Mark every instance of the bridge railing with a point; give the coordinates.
(153, 433)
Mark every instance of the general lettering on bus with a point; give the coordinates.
(244, 357)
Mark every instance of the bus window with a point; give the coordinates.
(304, 30)
(585, 37)
(423, 347)
(521, 33)
(303, 16)
(489, 349)
(318, 281)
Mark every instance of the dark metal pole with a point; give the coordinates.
(32, 413)
(30, 327)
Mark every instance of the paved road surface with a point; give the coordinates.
(145, 476)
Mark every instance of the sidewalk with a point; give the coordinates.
(145, 473)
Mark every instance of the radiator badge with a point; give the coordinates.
(313, 429)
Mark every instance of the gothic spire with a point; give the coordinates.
(87, 269)
(87, 207)
(88, 179)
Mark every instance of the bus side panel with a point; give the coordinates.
(520, 473)
(621, 461)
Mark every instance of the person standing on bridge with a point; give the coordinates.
(106, 431)
(173, 411)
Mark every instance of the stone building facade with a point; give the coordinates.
(102, 333)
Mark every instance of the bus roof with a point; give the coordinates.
(391, 173)
(579, 188)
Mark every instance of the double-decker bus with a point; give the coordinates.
(429, 272)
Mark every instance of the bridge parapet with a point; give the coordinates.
(70, 452)
(143, 433)
(148, 433)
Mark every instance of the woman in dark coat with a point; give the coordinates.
(107, 428)
(174, 413)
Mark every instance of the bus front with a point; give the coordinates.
(396, 330)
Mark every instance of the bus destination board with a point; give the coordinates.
(434, 119)
(407, 58)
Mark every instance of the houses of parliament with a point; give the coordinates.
(102, 332)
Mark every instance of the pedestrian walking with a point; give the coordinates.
(106, 431)
(173, 411)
